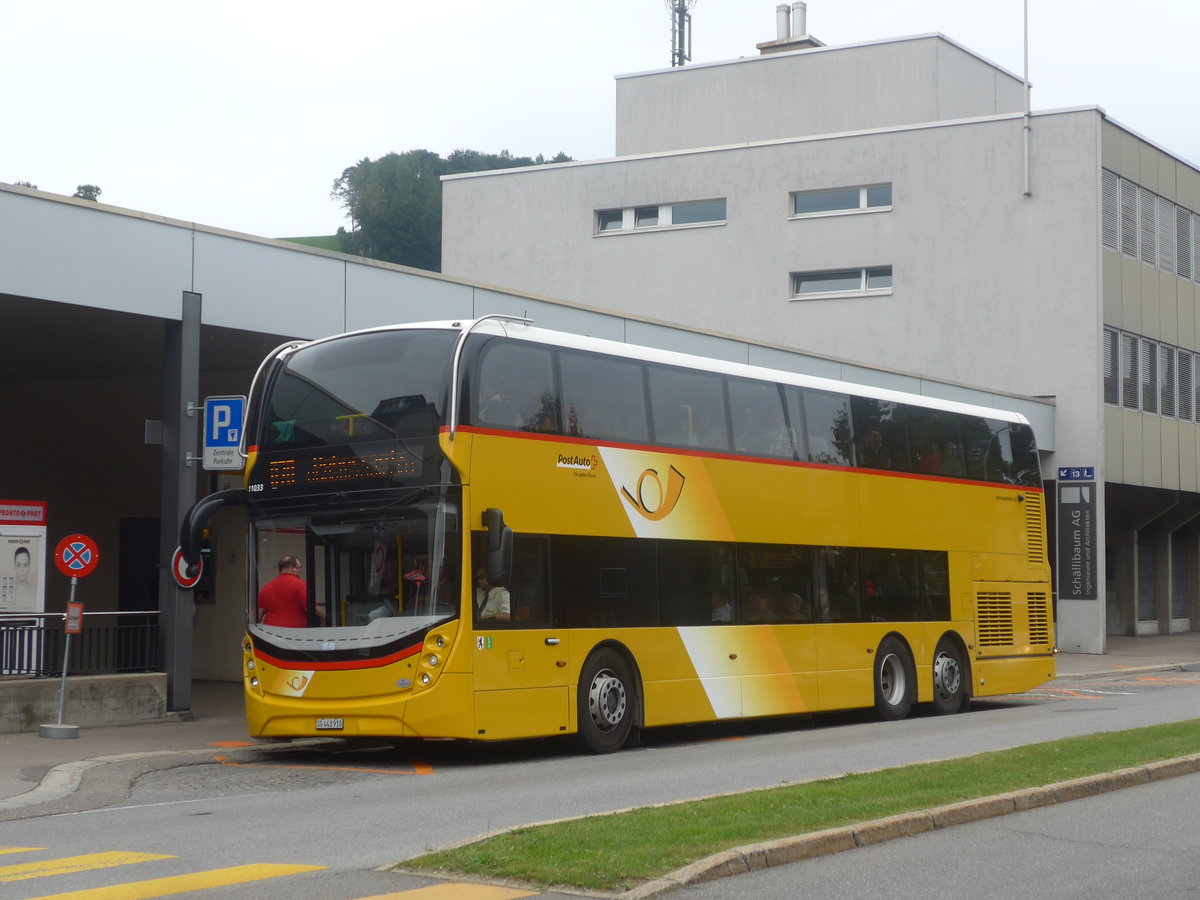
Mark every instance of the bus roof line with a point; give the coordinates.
(458, 348)
(270, 357)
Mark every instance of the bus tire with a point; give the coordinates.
(951, 678)
(606, 701)
(895, 681)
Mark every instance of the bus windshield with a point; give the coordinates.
(367, 387)
(377, 572)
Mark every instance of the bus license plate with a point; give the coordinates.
(330, 724)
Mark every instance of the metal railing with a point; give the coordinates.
(32, 644)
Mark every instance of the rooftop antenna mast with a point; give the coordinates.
(681, 30)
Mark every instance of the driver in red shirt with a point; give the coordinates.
(283, 600)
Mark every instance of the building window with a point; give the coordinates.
(1112, 368)
(1186, 409)
(645, 217)
(610, 219)
(1129, 371)
(1151, 376)
(703, 211)
(661, 216)
(834, 282)
(842, 200)
(1142, 225)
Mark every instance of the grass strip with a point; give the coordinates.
(618, 851)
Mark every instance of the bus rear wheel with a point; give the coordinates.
(950, 677)
(894, 679)
(606, 702)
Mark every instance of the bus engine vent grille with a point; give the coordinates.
(1035, 532)
(1039, 619)
(995, 619)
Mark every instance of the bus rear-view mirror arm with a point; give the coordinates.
(498, 560)
(195, 520)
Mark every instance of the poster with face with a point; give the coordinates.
(22, 556)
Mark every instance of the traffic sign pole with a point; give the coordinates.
(75, 556)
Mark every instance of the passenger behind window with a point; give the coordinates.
(709, 433)
(872, 454)
(779, 440)
(760, 608)
(539, 412)
(492, 604)
(747, 435)
(496, 405)
(929, 458)
(722, 609)
(796, 608)
(953, 463)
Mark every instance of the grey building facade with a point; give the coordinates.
(893, 203)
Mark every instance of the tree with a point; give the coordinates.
(395, 202)
(87, 192)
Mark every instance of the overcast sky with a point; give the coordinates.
(241, 113)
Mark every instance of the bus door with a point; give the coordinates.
(519, 663)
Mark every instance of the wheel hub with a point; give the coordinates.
(892, 679)
(606, 700)
(947, 676)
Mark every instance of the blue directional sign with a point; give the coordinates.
(1076, 473)
(223, 420)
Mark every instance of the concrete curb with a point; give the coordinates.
(65, 779)
(1127, 670)
(754, 857)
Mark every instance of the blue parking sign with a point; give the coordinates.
(223, 420)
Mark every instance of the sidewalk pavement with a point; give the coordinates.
(35, 769)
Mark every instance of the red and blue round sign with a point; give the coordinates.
(76, 555)
(179, 569)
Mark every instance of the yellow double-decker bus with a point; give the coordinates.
(507, 532)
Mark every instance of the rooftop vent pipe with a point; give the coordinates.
(791, 30)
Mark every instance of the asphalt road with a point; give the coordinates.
(1142, 842)
(352, 809)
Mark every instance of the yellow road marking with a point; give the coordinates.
(178, 884)
(4, 850)
(65, 865)
(456, 892)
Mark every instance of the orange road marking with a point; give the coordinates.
(230, 744)
(1065, 693)
(418, 768)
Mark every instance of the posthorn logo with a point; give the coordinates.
(652, 499)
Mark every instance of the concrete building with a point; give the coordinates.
(894, 203)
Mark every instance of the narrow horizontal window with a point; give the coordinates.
(660, 216)
(842, 281)
(848, 199)
(694, 213)
(610, 219)
(645, 217)
(824, 282)
(879, 277)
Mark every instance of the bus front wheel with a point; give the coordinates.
(606, 701)
(895, 680)
(950, 677)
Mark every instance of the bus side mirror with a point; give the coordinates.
(498, 558)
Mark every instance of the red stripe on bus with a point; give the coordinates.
(708, 454)
(338, 664)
